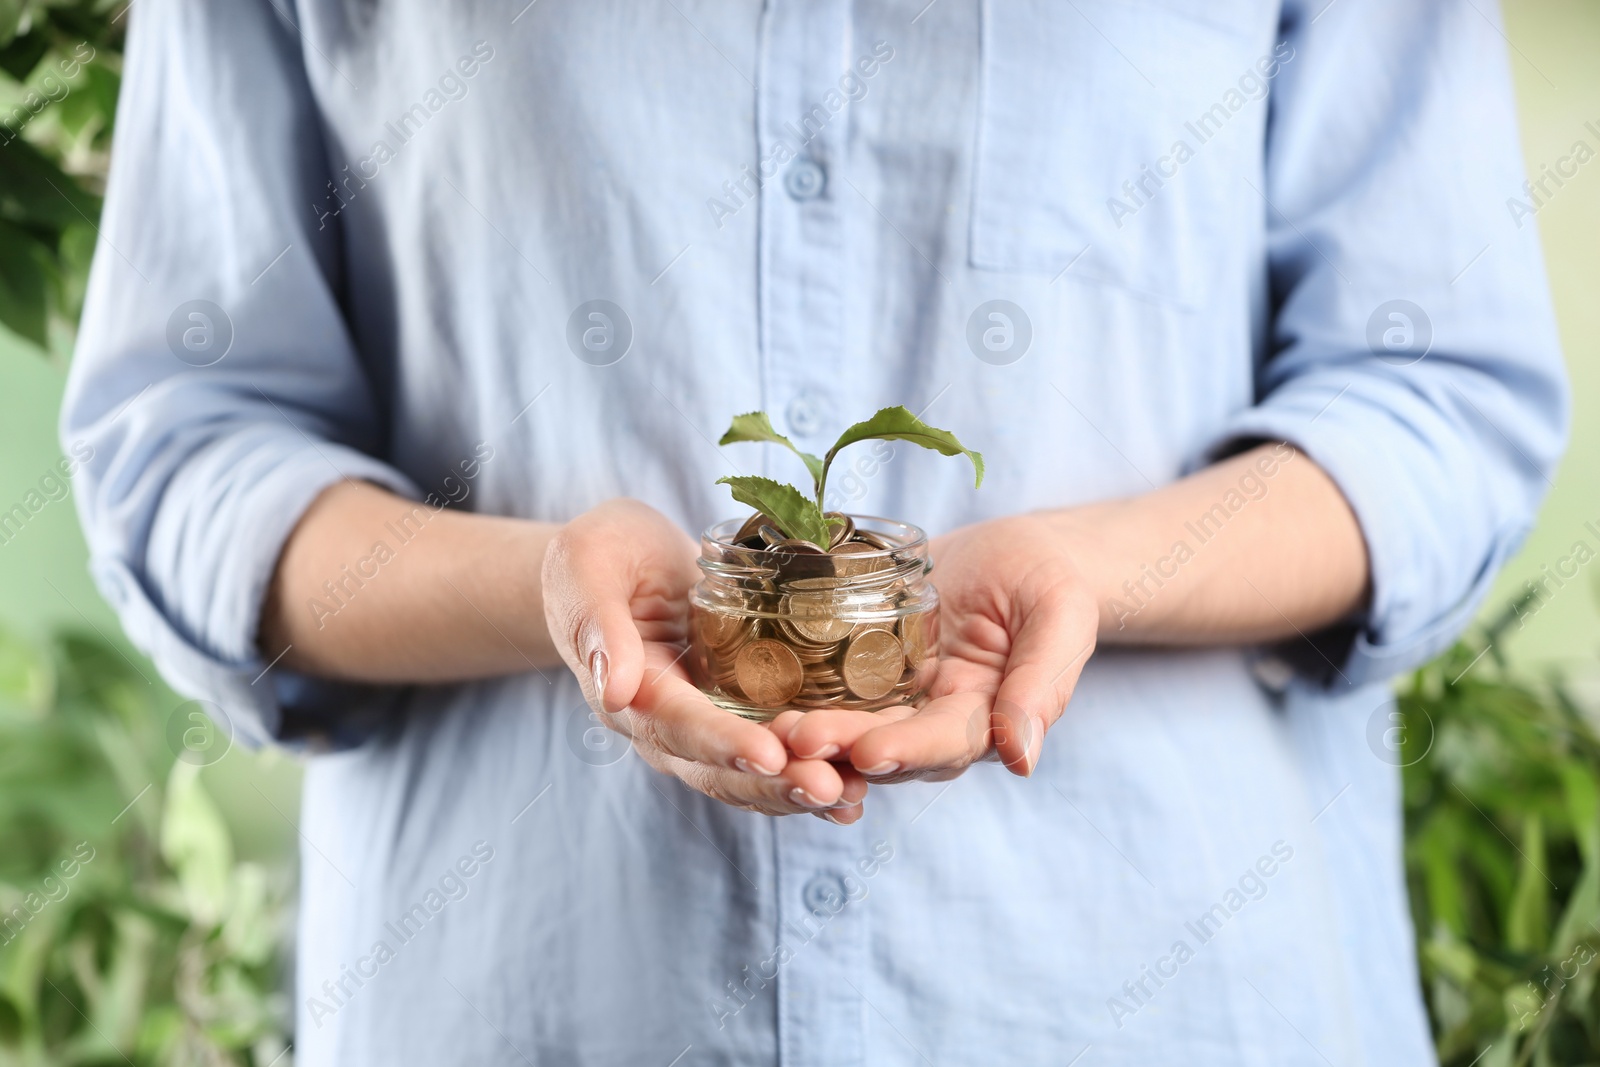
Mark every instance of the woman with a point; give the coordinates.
(407, 345)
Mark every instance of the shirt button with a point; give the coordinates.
(805, 179)
(806, 414)
(824, 894)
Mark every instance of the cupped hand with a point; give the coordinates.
(1018, 620)
(616, 586)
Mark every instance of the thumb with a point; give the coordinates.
(588, 608)
(1055, 639)
(611, 651)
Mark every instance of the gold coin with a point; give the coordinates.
(873, 664)
(914, 638)
(752, 527)
(768, 672)
(719, 629)
(813, 585)
(855, 558)
(815, 617)
(795, 546)
(842, 533)
(876, 541)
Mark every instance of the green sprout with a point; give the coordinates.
(791, 511)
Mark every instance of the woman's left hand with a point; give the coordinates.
(1018, 620)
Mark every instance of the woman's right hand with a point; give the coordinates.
(616, 585)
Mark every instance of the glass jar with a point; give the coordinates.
(777, 623)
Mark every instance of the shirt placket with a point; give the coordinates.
(803, 120)
(821, 911)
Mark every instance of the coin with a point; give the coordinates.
(854, 558)
(768, 672)
(752, 527)
(794, 624)
(719, 629)
(843, 532)
(800, 559)
(873, 663)
(875, 540)
(914, 639)
(814, 585)
(816, 616)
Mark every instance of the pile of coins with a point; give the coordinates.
(853, 627)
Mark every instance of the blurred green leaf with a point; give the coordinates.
(1502, 843)
(1528, 922)
(195, 842)
(10, 17)
(63, 60)
(144, 942)
(24, 277)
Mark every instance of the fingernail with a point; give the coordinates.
(825, 752)
(599, 670)
(886, 767)
(831, 817)
(800, 796)
(753, 768)
(1035, 745)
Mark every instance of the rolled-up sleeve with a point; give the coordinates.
(1412, 350)
(215, 389)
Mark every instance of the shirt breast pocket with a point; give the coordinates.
(1114, 140)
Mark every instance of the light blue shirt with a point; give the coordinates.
(1100, 241)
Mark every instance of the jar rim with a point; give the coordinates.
(904, 534)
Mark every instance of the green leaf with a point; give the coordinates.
(23, 54)
(10, 19)
(755, 426)
(24, 271)
(795, 515)
(1528, 922)
(898, 424)
(196, 843)
(35, 192)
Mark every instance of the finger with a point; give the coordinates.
(828, 733)
(785, 722)
(805, 786)
(616, 568)
(670, 713)
(946, 734)
(1055, 639)
(587, 607)
(842, 816)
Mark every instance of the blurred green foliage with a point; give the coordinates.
(129, 933)
(60, 68)
(1502, 800)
